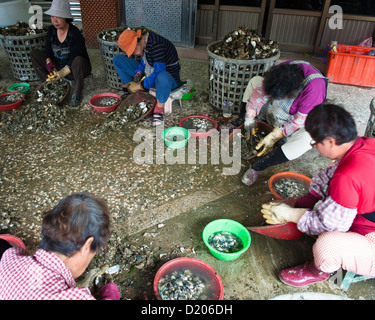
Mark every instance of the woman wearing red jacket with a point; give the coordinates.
(344, 219)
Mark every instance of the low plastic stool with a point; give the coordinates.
(344, 282)
(370, 128)
(169, 102)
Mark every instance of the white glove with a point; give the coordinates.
(57, 75)
(269, 140)
(249, 124)
(277, 213)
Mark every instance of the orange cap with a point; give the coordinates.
(128, 41)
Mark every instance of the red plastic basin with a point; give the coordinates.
(199, 135)
(287, 175)
(98, 96)
(196, 267)
(11, 106)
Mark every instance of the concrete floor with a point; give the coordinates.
(254, 275)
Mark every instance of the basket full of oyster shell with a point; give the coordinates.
(18, 41)
(233, 61)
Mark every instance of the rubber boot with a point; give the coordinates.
(241, 118)
(303, 275)
(250, 177)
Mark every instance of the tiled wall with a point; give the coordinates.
(96, 17)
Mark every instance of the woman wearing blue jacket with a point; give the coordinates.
(159, 67)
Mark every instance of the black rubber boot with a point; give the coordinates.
(241, 118)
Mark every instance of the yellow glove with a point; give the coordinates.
(269, 141)
(57, 75)
(277, 213)
(134, 86)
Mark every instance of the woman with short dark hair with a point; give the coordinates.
(340, 205)
(72, 233)
(283, 98)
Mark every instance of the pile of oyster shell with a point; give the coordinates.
(21, 29)
(45, 115)
(245, 44)
(121, 118)
(53, 92)
(33, 117)
(113, 34)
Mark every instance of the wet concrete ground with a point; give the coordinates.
(160, 208)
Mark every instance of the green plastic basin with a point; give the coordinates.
(181, 135)
(25, 87)
(229, 226)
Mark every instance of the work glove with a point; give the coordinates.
(57, 75)
(50, 67)
(277, 213)
(138, 76)
(109, 292)
(269, 141)
(249, 124)
(134, 86)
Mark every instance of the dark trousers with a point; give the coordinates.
(81, 69)
(4, 245)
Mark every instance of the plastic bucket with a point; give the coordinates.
(181, 133)
(195, 266)
(229, 226)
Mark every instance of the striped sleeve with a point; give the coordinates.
(327, 216)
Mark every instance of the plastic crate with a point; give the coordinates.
(230, 77)
(351, 65)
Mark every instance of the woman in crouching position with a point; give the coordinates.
(344, 220)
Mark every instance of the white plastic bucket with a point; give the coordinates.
(13, 11)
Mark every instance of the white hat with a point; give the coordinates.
(60, 8)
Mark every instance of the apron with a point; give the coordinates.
(276, 112)
(149, 70)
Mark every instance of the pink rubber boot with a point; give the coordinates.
(250, 177)
(303, 275)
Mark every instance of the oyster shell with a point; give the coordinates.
(245, 44)
(21, 29)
